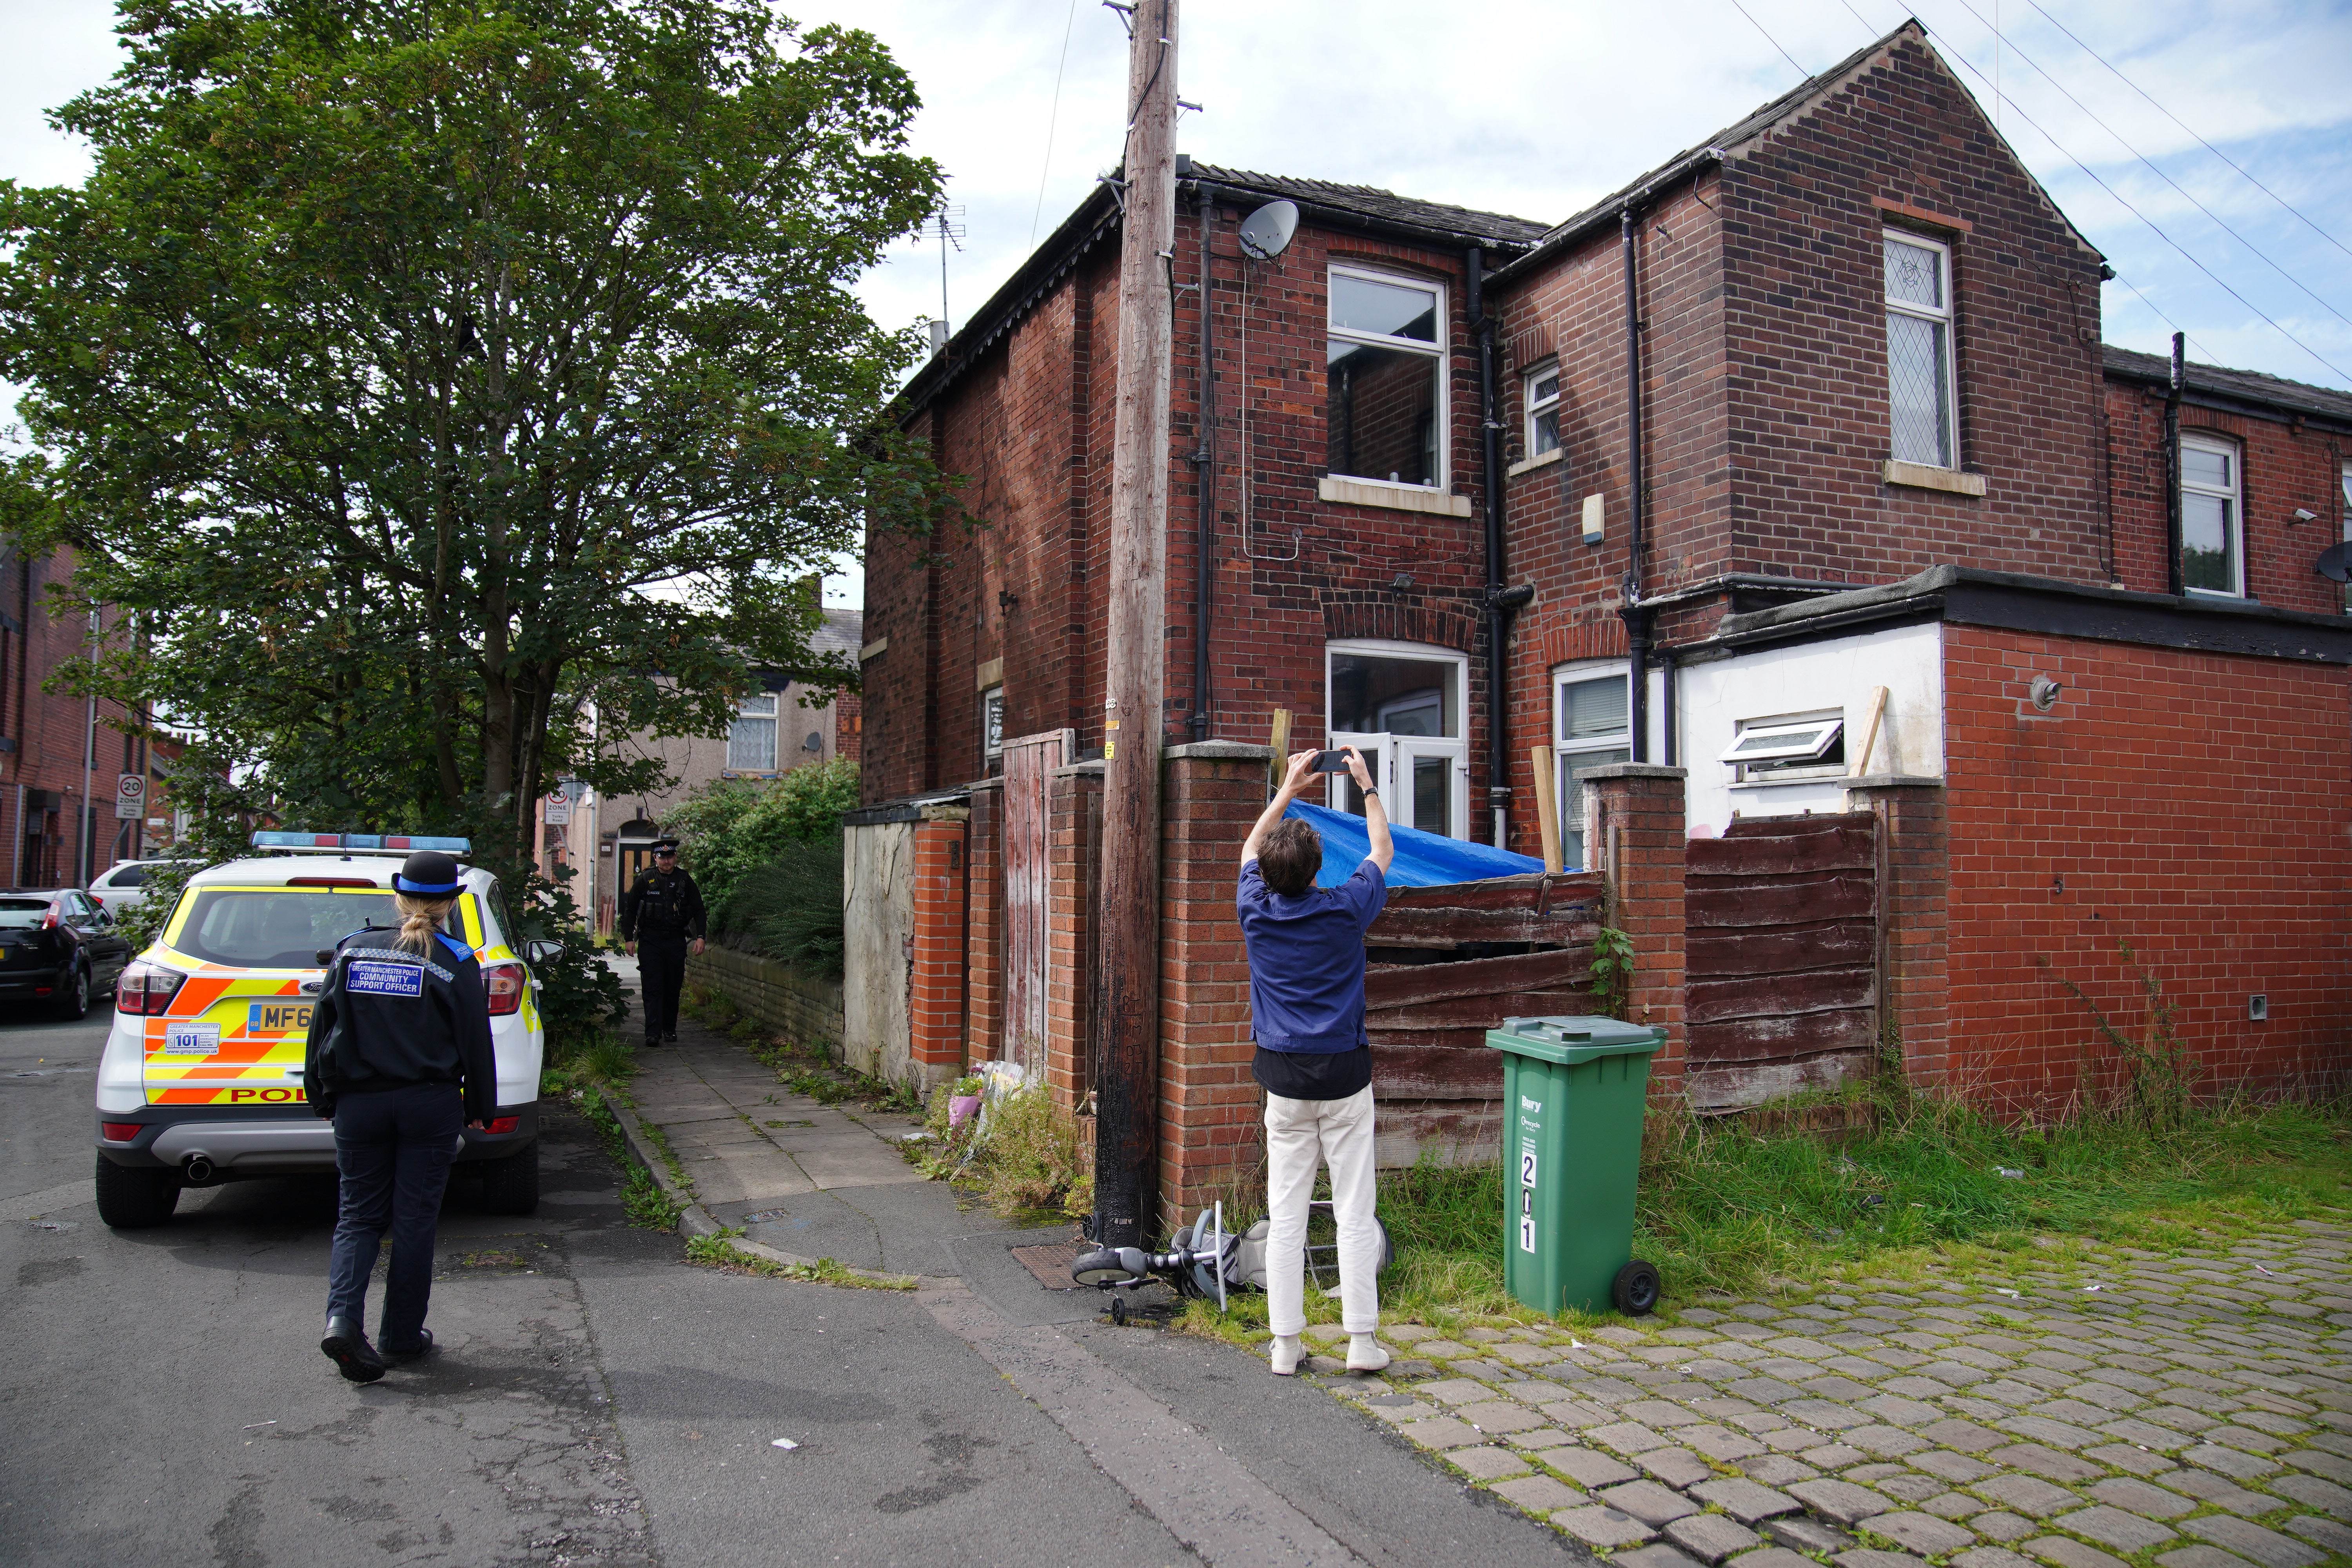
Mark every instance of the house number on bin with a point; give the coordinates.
(1526, 1200)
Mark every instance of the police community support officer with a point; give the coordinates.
(660, 913)
(399, 1042)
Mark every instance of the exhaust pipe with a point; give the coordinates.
(197, 1170)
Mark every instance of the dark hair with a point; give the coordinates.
(1289, 857)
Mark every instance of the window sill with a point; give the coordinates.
(1919, 476)
(1394, 497)
(1532, 464)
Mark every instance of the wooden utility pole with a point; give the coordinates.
(1126, 1088)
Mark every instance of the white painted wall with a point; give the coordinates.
(1714, 697)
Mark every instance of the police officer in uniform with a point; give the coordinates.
(399, 1056)
(660, 914)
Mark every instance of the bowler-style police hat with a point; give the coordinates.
(428, 874)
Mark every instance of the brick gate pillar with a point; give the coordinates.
(1210, 1130)
(935, 1002)
(1913, 865)
(984, 922)
(1073, 839)
(1635, 828)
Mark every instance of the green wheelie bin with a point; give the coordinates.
(1574, 1092)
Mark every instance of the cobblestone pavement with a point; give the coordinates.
(2099, 1405)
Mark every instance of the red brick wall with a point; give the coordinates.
(1074, 831)
(1639, 846)
(848, 726)
(935, 1002)
(984, 925)
(50, 731)
(2284, 464)
(2190, 804)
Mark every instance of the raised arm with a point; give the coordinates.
(1294, 785)
(1376, 816)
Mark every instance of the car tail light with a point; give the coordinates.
(147, 989)
(505, 982)
(117, 1131)
(50, 919)
(503, 1123)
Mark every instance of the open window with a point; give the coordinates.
(1787, 747)
(1402, 705)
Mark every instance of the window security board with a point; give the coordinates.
(1784, 743)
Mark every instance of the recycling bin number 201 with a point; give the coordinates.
(1527, 1199)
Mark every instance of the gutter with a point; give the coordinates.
(1593, 218)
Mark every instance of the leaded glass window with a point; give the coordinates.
(1921, 420)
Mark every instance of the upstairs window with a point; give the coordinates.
(2212, 538)
(751, 739)
(1920, 395)
(2348, 525)
(991, 724)
(1543, 411)
(1384, 407)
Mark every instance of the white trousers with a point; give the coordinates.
(1299, 1135)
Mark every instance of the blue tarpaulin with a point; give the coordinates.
(1423, 860)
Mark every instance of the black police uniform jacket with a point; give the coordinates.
(390, 1018)
(663, 903)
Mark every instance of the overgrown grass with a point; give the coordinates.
(1908, 1185)
(1025, 1155)
(646, 1203)
(604, 1059)
(720, 1251)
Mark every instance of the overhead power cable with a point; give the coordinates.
(1769, 38)
(1052, 115)
(2159, 108)
(2031, 64)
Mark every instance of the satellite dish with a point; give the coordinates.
(2334, 562)
(1266, 233)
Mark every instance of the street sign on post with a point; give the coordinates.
(130, 797)
(559, 811)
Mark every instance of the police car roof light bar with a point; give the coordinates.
(345, 843)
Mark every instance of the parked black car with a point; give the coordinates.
(57, 946)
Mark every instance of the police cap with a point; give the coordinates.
(428, 874)
(664, 846)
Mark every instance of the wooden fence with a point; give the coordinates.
(1781, 957)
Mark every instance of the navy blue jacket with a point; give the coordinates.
(390, 1018)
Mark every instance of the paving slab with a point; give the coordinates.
(1539, 1495)
(2250, 1541)
(1602, 1526)
(1710, 1537)
(1920, 1532)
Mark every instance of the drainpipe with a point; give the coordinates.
(1204, 473)
(1498, 604)
(2172, 583)
(1637, 619)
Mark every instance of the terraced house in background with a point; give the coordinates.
(1782, 518)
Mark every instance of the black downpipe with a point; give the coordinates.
(1490, 445)
(1204, 473)
(1637, 618)
(2172, 580)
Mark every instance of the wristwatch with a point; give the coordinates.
(1373, 790)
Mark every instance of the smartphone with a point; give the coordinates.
(1330, 763)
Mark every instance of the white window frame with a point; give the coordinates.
(2235, 493)
(1947, 319)
(1533, 406)
(1793, 763)
(993, 749)
(1566, 750)
(774, 719)
(1438, 353)
(1391, 756)
(2348, 524)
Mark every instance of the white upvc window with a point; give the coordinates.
(1590, 712)
(2213, 520)
(1384, 405)
(751, 739)
(1786, 747)
(1403, 705)
(992, 723)
(1542, 402)
(2348, 523)
(1922, 394)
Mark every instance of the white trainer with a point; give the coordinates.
(1366, 1354)
(1285, 1354)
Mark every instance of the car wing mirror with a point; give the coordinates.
(542, 951)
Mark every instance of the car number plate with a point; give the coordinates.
(277, 1018)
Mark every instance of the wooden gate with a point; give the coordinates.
(1780, 957)
(1028, 765)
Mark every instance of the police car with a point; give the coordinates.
(202, 1078)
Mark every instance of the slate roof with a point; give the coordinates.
(1439, 219)
(2218, 383)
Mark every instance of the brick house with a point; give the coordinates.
(1788, 487)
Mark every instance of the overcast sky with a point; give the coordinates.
(1537, 109)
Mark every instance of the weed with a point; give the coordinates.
(2158, 1077)
(720, 1251)
(1613, 971)
(824, 1088)
(1027, 1158)
(646, 1203)
(601, 1059)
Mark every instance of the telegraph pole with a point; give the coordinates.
(1128, 1087)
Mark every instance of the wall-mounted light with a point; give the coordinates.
(2303, 514)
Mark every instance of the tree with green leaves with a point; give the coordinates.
(435, 382)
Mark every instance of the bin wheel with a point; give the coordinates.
(1118, 1311)
(1636, 1290)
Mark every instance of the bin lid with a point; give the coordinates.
(1573, 1041)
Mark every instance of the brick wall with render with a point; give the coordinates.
(2286, 463)
(2189, 804)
